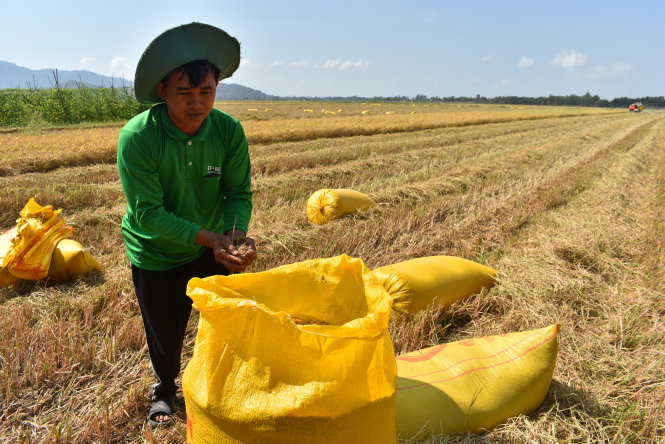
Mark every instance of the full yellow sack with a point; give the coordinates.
(297, 354)
(416, 283)
(473, 385)
(71, 260)
(38, 231)
(329, 204)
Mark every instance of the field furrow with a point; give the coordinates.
(42, 151)
(482, 193)
(585, 265)
(395, 164)
(281, 157)
(568, 206)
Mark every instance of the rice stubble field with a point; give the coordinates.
(568, 204)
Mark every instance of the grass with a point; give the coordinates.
(569, 207)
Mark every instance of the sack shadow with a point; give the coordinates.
(28, 287)
(569, 402)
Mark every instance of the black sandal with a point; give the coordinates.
(160, 407)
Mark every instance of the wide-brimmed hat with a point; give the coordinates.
(181, 45)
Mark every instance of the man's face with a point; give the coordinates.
(187, 105)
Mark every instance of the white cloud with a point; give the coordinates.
(276, 63)
(621, 68)
(245, 62)
(343, 65)
(488, 58)
(604, 71)
(525, 63)
(570, 59)
(299, 64)
(88, 62)
(118, 64)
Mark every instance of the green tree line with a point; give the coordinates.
(551, 100)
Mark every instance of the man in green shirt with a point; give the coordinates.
(185, 171)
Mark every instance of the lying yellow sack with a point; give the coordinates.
(329, 204)
(70, 260)
(473, 385)
(416, 283)
(38, 231)
(298, 353)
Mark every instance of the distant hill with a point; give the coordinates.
(14, 76)
(233, 91)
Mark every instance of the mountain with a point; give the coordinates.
(233, 91)
(14, 76)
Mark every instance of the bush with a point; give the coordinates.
(19, 107)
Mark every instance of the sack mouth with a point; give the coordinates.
(343, 297)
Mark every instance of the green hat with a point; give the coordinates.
(181, 45)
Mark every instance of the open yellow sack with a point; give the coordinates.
(37, 232)
(39, 247)
(328, 204)
(70, 260)
(258, 374)
(473, 385)
(416, 283)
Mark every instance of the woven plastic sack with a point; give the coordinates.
(297, 354)
(6, 237)
(37, 232)
(473, 385)
(329, 204)
(416, 283)
(70, 260)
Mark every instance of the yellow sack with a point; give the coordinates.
(416, 283)
(329, 204)
(473, 385)
(298, 353)
(6, 277)
(38, 231)
(70, 260)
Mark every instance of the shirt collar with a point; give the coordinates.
(174, 132)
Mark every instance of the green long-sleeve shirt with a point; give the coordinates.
(176, 185)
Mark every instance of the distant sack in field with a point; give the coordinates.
(473, 385)
(328, 204)
(29, 250)
(298, 353)
(416, 283)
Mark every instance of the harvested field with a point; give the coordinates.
(568, 204)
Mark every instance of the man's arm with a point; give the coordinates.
(145, 195)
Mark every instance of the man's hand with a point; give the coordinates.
(233, 250)
(244, 249)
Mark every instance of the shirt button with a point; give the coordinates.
(189, 142)
(190, 164)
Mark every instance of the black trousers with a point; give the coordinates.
(165, 308)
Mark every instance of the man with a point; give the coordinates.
(185, 171)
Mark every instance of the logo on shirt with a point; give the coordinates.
(213, 171)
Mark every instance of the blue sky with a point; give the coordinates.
(369, 48)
